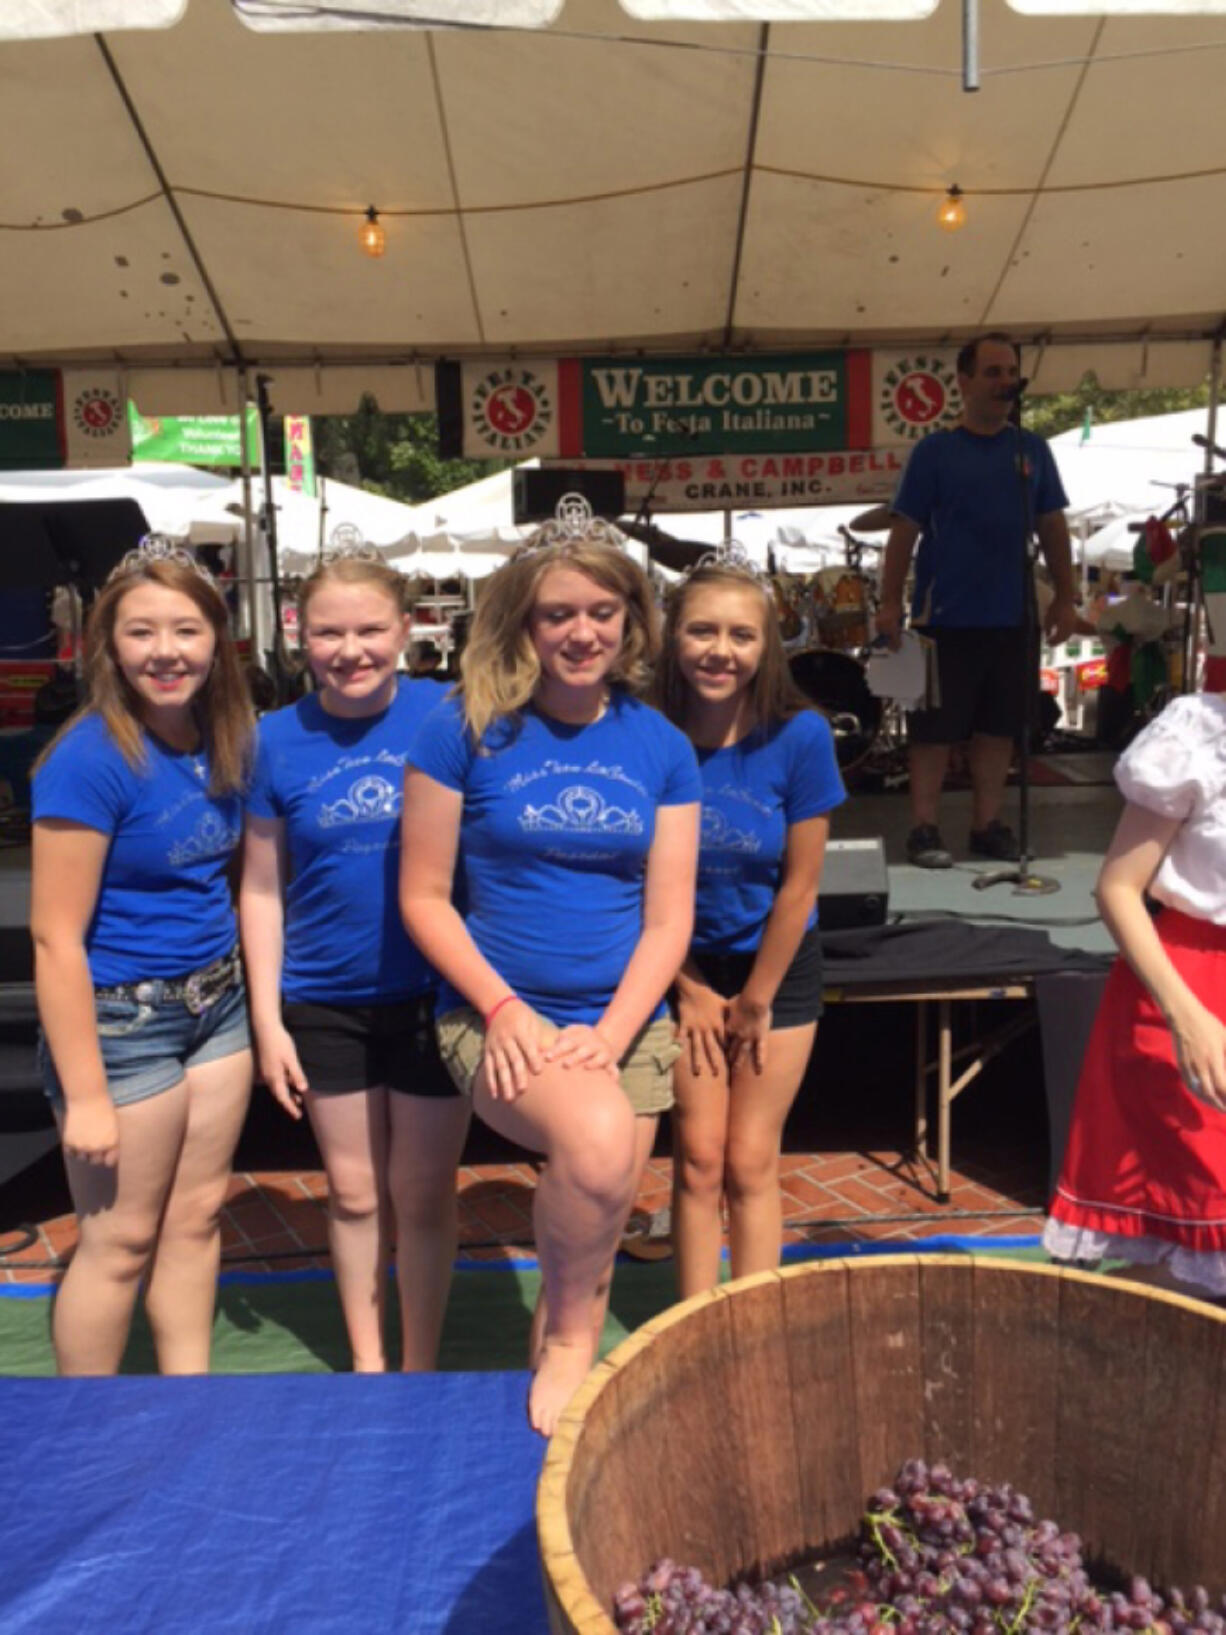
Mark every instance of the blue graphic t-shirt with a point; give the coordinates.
(557, 824)
(963, 492)
(164, 903)
(751, 793)
(338, 784)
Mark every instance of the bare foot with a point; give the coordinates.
(562, 1369)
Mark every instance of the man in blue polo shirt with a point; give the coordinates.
(961, 498)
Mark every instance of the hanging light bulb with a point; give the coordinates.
(952, 213)
(371, 236)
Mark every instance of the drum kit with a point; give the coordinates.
(826, 619)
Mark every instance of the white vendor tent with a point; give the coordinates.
(1130, 465)
(193, 175)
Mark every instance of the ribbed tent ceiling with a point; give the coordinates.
(189, 195)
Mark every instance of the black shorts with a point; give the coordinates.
(799, 999)
(983, 686)
(361, 1047)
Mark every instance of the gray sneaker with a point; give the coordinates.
(926, 849)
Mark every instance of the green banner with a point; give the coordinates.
(29, 421)
(193, 440)
(724, 405)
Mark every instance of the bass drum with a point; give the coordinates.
(837, 683)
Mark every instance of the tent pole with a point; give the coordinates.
(970, 45)
(249, 580)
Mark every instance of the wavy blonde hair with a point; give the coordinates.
(222, 707)
(499, 669)
(774, 695)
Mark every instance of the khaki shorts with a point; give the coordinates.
(646, 1069)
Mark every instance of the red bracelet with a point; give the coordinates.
(507, 999)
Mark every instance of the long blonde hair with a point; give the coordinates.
(499, 668)
(774, 695)
(222, 707)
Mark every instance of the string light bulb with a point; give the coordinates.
(371, 236)
(952, 212)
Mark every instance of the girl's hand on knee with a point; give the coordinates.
(749, 1026)
(281, 1070)
(581, 1045)
(515, 1045)
(702, 1027)
(90, 1131)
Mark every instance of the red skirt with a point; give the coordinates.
(1145, 1157)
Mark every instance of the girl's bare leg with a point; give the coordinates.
(427, 1139)
(759, 1104)
(181, 1295)
(584, 1125)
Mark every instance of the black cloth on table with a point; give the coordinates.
(940, 949)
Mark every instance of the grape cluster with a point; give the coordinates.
(937, 1555)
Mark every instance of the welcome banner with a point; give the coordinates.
(52, 418)
(724, 419)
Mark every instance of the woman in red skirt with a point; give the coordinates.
(1144, 1172)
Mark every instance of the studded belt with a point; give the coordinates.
(198, 990)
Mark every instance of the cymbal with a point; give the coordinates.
(873, 521)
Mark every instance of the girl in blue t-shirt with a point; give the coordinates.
(567, 812)
(144, 1051)
(750, 992)
(342, 1003)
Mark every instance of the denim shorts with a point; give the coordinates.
(148, 1045)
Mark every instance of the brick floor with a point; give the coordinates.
(276, 1220)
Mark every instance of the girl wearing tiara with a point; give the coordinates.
(342, 1003)
(567, 813)
(750, 992)
(144, 1050)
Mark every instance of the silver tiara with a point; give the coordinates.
(573, 523)
(159, 548)
(730, 556)
(347, 544)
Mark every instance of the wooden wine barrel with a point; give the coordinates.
(746, 1428)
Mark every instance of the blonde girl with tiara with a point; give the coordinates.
(566, 810)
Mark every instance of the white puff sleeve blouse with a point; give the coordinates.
(1176, 767)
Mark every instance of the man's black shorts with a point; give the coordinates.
(360, 1047)
(983, 686)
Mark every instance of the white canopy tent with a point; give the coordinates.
(189, 196)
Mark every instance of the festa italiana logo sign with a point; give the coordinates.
(713, 407)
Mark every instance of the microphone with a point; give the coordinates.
(1201, 441)
(1019, 387)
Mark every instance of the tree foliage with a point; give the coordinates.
(1063, 410)
(392, 454)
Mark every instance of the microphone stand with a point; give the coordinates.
(1023, 879)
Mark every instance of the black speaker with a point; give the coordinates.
(855, 888)
(535, 492)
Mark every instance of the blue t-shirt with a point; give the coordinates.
(338, 785)
(963, 492)
(557, 824)
(751, 793)
(164, 903)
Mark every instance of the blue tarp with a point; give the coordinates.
(316, 1504)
